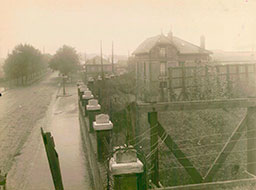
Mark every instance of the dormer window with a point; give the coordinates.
(162, 52)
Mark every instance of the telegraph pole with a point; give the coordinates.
(102, 76)
(101, 61)
(112, 57)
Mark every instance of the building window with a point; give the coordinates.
(144, 72)
(162, 52)
(162, 68)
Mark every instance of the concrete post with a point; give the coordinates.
(78, 84)
(3, 181)
(93, 109)
(82, 88)
(90, 84)
(103, 128)
(85, 98)
(127, 169)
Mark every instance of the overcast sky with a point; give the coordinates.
(48, 24)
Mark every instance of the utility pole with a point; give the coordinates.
(101, 61)
(102, 85)
(85, 68)
(63, 82)
(112, 57)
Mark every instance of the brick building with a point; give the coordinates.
(155, 55)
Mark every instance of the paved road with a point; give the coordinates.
(22, 112)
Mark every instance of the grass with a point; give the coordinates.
(199, 134)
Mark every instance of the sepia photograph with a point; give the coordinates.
(127, 94)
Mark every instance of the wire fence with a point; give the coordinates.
(194, 148)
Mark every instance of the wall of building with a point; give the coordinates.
(148, 66)
(196, 58)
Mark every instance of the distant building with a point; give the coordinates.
(93, 66)
(155, 55)
(233, 57)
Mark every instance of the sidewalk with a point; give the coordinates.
(63, 123)
(68, 142)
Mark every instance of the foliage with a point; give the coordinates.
(66, 60)
(23, 61)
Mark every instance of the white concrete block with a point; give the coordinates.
(125, 156)
(102, 118)
(83, 88)
(87, 95)
(93, 105)
(102, 126)
(125, 168)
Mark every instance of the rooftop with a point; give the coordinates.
(97, 61)
(182, 46)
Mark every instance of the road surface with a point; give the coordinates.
(22, 112)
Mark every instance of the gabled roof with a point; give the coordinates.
(182, 46)
(149, 43)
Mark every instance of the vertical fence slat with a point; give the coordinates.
(152, 119)
(251, 140)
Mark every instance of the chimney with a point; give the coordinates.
(169, 35)
(202, 42)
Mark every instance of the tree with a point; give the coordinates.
(66, 60)
(23, 62)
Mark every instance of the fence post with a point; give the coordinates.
(251, 140)
(3, 181)
(171, 91)
(153, 121)
(246, 74)
(93, 108)
(237, 73)
(229, 85)
(85, 98)
(82, 89)
(79, 84)
(53, 159)
(131, 124)
(163, 86)
(183, 95)
(127, 169)
(103, 127)
(91, 84)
